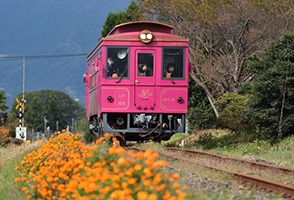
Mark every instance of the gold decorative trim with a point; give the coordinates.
(142, 22)
(135, 39)
(162, 92)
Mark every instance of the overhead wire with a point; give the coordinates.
(6, 58)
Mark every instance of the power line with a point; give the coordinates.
(3, 58)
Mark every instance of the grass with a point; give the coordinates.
(9, 157)
(240, 145)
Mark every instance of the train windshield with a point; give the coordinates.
(145, 64)
(173, 63)
(117, 62)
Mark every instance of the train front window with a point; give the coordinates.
(117, 66)
(173, 63)
(145, 64)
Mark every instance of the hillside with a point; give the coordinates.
(30, 28)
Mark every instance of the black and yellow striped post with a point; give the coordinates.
(20, 115)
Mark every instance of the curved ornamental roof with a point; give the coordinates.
(140, 25)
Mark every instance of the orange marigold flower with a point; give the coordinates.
(132, 181)
(147, 153)
(146, 183)
(140, 155)
(124, 185)
(176, 185)
(50, 179)
(138, 167)
(166, 195)
(142, 195)
(149, 161)
(115, 185)
(29, 197)
(107, 135)
(99, 141)
(156, 180)
(121, 161)
(152, 197)
(23, 179)
(176, 176)
(16, 180)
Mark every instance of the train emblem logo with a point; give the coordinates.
(145, 94)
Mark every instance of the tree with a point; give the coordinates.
(33, 114)
(3, 101)
(222, 35)
(55, 105)
(272, 104)
(200, 114)
(132, 13)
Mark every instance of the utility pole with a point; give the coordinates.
(21, 130)
(72, 126)
(56, 126)
(45, 125)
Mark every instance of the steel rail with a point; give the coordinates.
(257, 164)
(271, 186)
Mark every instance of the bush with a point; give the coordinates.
(232, 109)
(65, 168)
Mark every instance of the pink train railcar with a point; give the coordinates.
(137, 83)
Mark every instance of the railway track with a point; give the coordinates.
(254, 179)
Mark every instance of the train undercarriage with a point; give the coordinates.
(138, 127)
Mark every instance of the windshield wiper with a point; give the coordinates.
(169, 77)
(121, 75)
(172, 80)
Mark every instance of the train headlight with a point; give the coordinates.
(143, 37)
(146, 36)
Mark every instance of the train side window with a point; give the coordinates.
(117, 62)
(173, 63)
(145, 64)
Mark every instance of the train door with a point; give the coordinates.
(145, 80)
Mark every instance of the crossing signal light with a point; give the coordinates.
(19, 115)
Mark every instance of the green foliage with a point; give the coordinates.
(200, 113)
(90, 137)
(232, 108)
(206, 140)
(114, 18)
(217, 140)
(275, 71)
(55, 105)
(82, 125)
(3, 98)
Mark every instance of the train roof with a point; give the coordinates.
(140, 25)
(130, 32)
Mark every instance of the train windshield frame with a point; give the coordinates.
(117, 62)
(173, 62)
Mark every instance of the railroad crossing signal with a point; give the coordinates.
(21, 131)
(19, 104)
